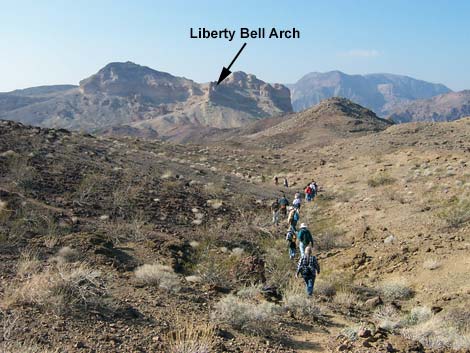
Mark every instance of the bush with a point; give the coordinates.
(380, 180)
(395, 290)
(160, 275)
(250, 292)
(346, 298)
(456, 213)
(245, 316)
(58, 289)
(190, 337)
(66, 255)
(302, 306)
(387, 317)
(436, 333)
(28, 264)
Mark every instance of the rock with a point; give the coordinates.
(342, 348)
(364, 333)
(373, 302)
(436, 309)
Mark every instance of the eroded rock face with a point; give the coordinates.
(379, 92)
(446, 107)
(129, 99)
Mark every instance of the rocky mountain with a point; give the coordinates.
(127, 96)
(379, 92)
(445, 107)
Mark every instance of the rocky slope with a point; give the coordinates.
(379, 92)
(125, 245)
(126, 94)
(445, 107)
(328, 121)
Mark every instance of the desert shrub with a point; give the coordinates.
(191, 337)
(387, 317)
(437, 333)
(250, 292)
(65, 255)
(395, 290)
(417, 315)
(279, 268)
(456, 213)
(158, 275)
(58, 289)
(380, 180)
(351, 332)
(431, 264)
(21, 174)
(346, 298)
(91, 187)
(301, 305)
(28, 264)
(324, 288)
(249, 317)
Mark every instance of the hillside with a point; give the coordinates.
(445, 107)
(121, 244)
(378, 92)
(324, 123)
(130, 96)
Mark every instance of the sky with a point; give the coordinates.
(58, 42)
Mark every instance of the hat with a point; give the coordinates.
(303, 225)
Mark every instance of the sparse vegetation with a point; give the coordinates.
(58, 289)
(380, 180)
(158, 275)
(395, 289)
(245, 316)
(456, 213)
(191, 337)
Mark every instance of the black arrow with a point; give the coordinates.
(226, 70)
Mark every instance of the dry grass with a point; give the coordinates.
(66, 255)
(58, 289)
(158, 275)
(255, 318)
(457, 213)
(396, 289)
(301, 306)
(28, 264)
(190, 337)
(387, 317)
(346, 299)
(380, 180)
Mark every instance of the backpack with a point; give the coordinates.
(305, 269)
(308, 190)
(296, 216)
(290, 236)
(275, 205)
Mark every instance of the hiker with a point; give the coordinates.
(275, 207)
(276, 180)
(308, 267)
(308, 193)
(313, 185)
(283, 203)
(297, 201)
(305, 238)
(291, 238)
(293, 218)
(286, 184)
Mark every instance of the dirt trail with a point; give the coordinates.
(319, 339)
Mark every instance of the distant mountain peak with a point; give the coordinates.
(379, 92)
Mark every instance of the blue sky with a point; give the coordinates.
(52, 42)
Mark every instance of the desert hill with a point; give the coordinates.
(123, 244)
(445, 107)
(126, 94)
(378, 92)
(322, 124)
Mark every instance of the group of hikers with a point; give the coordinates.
(308, 266)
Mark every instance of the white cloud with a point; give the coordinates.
(361, 53)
